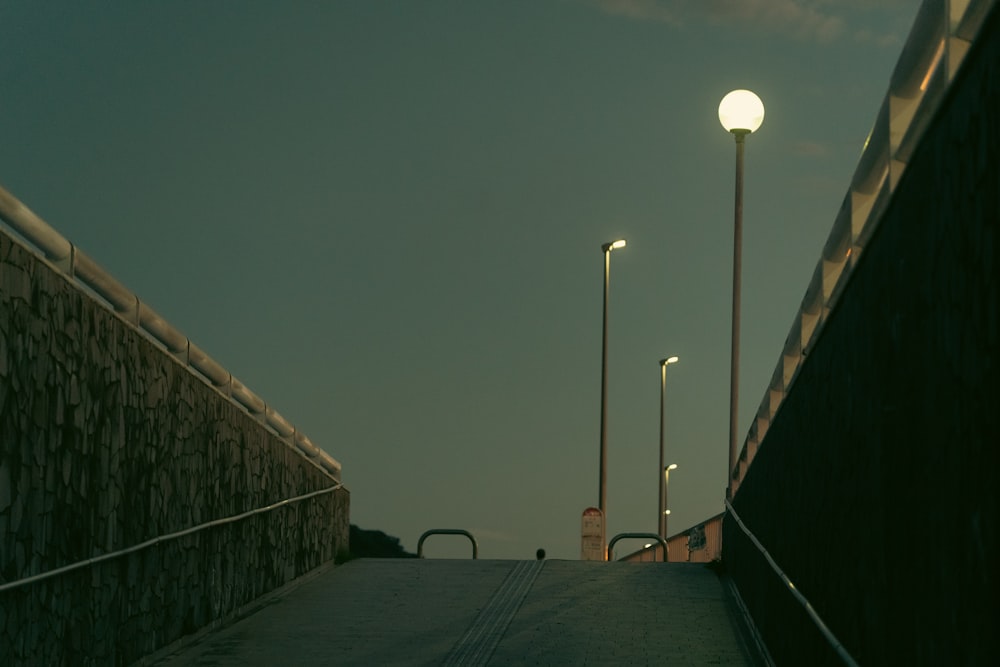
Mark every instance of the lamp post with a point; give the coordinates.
(603, 485)
(666, 503)
(661, 499)
(741, 112)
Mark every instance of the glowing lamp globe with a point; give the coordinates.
(741, 111)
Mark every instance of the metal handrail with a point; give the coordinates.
(799, 597)
(447, 531)
(622, 536)
(79, 267)
(164, 538)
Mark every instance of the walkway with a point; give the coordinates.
(478, 612)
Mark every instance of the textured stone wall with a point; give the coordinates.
(107, 442)
(888, 446)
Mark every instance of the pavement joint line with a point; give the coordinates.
(479, 642)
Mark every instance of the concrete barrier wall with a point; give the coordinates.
(107, 442)
(889, 443)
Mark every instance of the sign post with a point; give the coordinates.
(592, 535)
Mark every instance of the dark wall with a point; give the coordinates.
(875, 488)
(107, 442)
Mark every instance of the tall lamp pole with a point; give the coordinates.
(663, 402)
(666, 502)
(741, 112)
(603, 486)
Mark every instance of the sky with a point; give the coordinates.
(385, 218)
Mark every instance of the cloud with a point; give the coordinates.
(495, 535)
(791, 17)
(871, 5)
(641, 10)
(883, 40)
(809, 149)
(800, 19)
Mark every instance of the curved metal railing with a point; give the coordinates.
(447, 531)
(799, 597)
(644, 536)
(79, 267)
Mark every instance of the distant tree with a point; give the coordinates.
(374, 544)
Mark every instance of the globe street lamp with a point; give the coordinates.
(666, 503)
(663, 392)
(603, 486)
(741, 112)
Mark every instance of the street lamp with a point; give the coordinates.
(663, 393)
(603, 486)
(741, 112)
(666, 503)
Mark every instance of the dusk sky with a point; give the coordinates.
(386, 218)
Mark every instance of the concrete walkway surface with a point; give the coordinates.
(478, 612)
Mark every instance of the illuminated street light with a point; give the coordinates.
(741, 112)
(663, 393)
(603, 486)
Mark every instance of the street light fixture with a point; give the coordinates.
(603, 486)
(666, 503)
(663, 393)
(741, 112)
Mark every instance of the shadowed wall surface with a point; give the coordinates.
(107, 442)
(874, 488)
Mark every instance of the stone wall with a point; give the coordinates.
(889, 442)
(107, 442)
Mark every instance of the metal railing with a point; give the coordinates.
(163, 538)
(65, 257)
(447, 531)
(644, 536)
(799, 597)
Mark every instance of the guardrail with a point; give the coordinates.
(934, 50)
(65, 257)
(447, 531)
